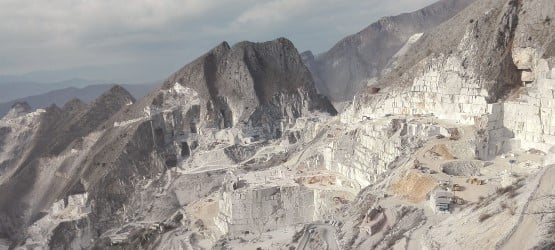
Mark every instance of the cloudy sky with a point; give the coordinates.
(145, 40)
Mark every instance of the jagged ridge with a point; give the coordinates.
(357, 59)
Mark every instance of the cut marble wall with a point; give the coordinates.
(446, 90)
(264, 208)
(525, 120)
(530, 115)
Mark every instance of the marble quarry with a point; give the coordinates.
(450, 148)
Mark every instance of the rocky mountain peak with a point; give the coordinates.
(19, 108)
(274, 58)
(23, 106)
(221, 48)
(109, 103)
(116, 94)
(307, 55)
(248, 81)
(357, 60)
(74, 105)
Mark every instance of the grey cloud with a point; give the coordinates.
(63, 34)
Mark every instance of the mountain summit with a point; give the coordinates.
(230, 102)
(19, 108)
(252, 83)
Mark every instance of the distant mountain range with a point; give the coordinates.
(13, 88)
(359, 59)
(66, 91)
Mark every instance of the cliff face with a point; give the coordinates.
(475, 64)
(490, 68)
(358, 60)
(254, 84)
(237, 150)
(39, 165)
(100, 155)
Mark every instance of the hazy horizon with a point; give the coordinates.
(112, 41)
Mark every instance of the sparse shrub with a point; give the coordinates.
(502, 190)
(454, 134)
(471, 21)
(512, 194)
(393, 240)
(484, 217)
(297, 236)
(509, 190)
(512, 210)
(515, 2)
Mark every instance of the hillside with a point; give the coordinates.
(358, 60)
(451, 148)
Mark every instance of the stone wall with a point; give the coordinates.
(526, 119)
(366, 157)
(446, 89)
(530, 114)
(366, 154)
(264, 208)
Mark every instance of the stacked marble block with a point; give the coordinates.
(531, 116)
(264, 208)
(447, 93)
(368, 154)
(446, 90)
(364, 155)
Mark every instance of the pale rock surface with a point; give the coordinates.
(238, 151)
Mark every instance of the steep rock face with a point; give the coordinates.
(528, 113)
(114, 156)
(489, 67)
(236, 150)
(18, 109)
(47, 162)
(75, 119)
(201, 116)
(446, 72)
(257, 84)
(61, 96)
(498, 77)
(358, 60)
(16, 134)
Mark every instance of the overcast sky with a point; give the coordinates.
(145, 40)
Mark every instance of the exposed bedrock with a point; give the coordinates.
(358, 60)
(257, 86)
